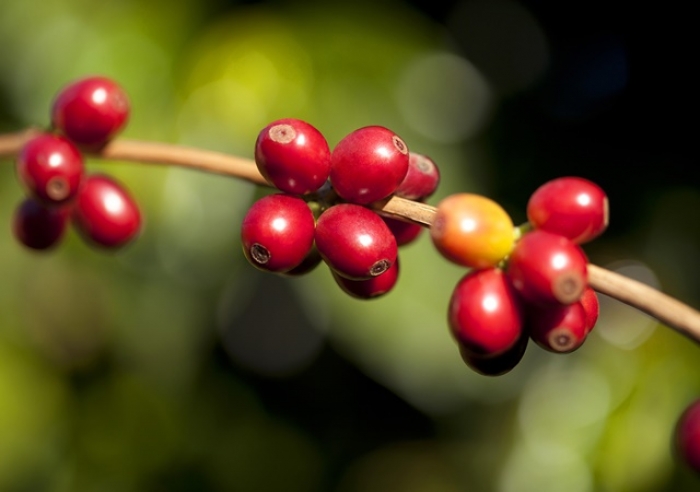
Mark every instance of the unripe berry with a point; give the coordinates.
(485, 314)
(421, 180)
(560, 329)
(355, 242)
(370, 288)
(368, 165)
(51, 168)
(687, 436)
(472, 230)
(277, 232)
(38, 226)
(495, 365)
(572, 207)
(293, 156)
(546, 268)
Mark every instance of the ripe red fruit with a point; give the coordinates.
(687, 436)
(104, 213)
(404, 232)
(51, 168)
(277, 232)
(495, 365)
(421, 180)
(38, 226)
(591, 306)
(572, 207)
(370, 288)
(90, 111)
(547, 268)
(355, 242)
(485, 314)
(560, 329)
(293, 156)
(368, 165)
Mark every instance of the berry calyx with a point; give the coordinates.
(560, 329)
(368, 165)
(355, 242)
(51, 168)
(90, 111)
(422, 178)
(38, 226)
(370, 288)
(687, 436)
(485, 314)
(104, 213)
(293, 156)
(277, 232)
(570, 206)
(472, 230)
(547, 268)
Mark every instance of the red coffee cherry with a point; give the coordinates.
(308, 264)
(370, 288)
(560, 329)
(485, 314)
(104, 213)
(277, 232)
(37, 226)
(547, 268)
(368, 165)
(355, 242)
(687, 436)
(572, 207)
(421, 180)
(51, 168)
(90, 111)
(495, 365)
(293, 156)
(404, 232)
(591, 306)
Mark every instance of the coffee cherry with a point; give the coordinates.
(472, 230)
(90, 111)
(277, 232)
(485, 314)
(495, 365)
(51, 168)
(370, 288)
(368, 165)
(572, 207)
(355, 242)
(591, 306)
(38, 226)
(104, 213)
(687, 436)
(308, 264)
(421, 180)
(560, 329)
(547, 268)
(404, 232)
(293, 156)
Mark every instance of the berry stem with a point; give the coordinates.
(666, 309)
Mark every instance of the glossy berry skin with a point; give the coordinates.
(90, 111)
(485, 314)
(495, 365)
(560, 329)
(687, 436)
(293, 156)
(368, 165)
(277, 232)
(355, 242)
(404, 232)
(547, 268)
(422, 178)
(104, 213)
(591, 306)
(51, 168)
(370, 288)
(472, 230)
(38, 226)
(570, 206)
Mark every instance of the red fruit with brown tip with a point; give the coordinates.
(51, 168)
(687, 436)
(570, 206)
(547, 268)
(37, 226)
(485, 314)
(368, 165)
(421, 180)
(277, 232)
(355, 242)
(370, 288)
(495, 365)
(293, 156)
(560, 329)
(104, 212)
(90, 111)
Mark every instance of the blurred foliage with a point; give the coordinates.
(173, 365)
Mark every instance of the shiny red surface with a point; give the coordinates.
(372, 287)
(422, 178)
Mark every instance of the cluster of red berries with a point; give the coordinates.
(525, 283)
(321, 214)
(85, 115)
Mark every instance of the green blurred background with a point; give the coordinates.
(173, 365)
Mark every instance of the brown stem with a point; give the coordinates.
(666, 309)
